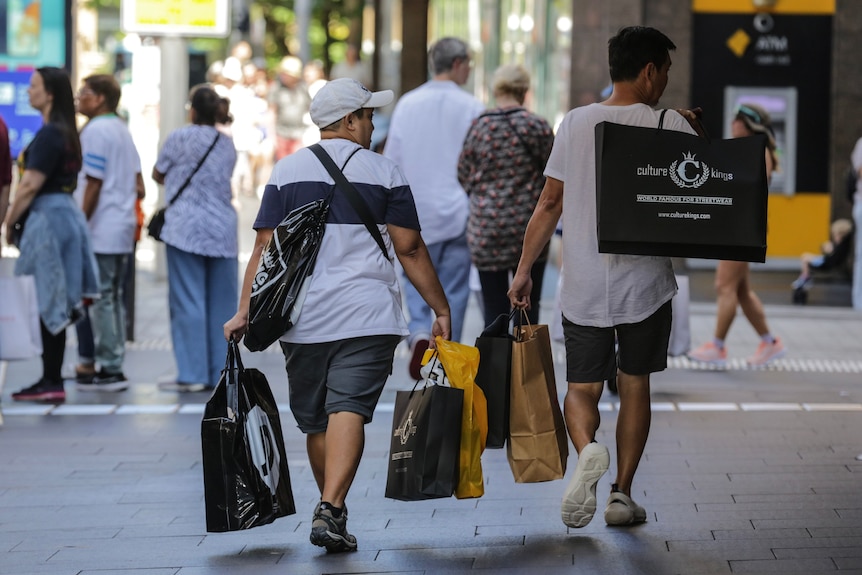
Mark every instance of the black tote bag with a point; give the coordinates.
(425, 444)
(283, 274)
(246, 478)
(494, 377)
(668, 193)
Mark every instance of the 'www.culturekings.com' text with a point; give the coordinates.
(684, 215)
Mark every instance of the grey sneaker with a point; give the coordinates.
(331, 532)
(579, 500)
(622, 510)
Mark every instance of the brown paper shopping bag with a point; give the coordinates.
(538, 444)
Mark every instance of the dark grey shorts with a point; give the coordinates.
(591, 351)
(345, 375)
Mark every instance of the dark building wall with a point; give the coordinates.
(846, 124)
(595, 21)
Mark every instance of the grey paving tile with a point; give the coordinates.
(852, 551)
(760, 533)
(803, 565)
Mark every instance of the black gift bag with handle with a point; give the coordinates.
(494, 376)
(425, 443)
(246, 478)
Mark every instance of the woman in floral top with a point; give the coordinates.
(501, 169)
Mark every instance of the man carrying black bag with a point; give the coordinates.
(605, 297)
(339, 351)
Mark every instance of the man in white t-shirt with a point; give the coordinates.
(109, 185)
(425, 138)
(605, 297)
(339, 353)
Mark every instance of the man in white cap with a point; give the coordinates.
(339, 353)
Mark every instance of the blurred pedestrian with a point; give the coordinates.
(856, 159)
(425, 138)
(605, 298)
(109, 186)
(352, 67)
(51, 232)
(733, 279)
(200, 236)
(339, 354)
(501, 168)
(289, 101)
(5, 170)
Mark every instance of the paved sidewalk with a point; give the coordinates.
(746, 471)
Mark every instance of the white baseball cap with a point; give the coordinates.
(337, 98)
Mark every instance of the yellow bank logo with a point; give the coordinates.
(738, 42)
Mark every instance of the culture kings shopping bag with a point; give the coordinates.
(668, 193)
(538, 445)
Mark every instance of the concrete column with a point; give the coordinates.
(174, 93)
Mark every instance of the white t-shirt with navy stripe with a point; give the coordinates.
(354, 290)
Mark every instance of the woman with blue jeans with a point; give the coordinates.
(200, 235)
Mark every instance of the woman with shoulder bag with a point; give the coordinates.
(200, 236)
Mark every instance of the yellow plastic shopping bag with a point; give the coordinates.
(460, 363)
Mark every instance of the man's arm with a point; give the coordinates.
(236, 326)
(91, 196)
(413, 255)
(540, 228)
(140, 189)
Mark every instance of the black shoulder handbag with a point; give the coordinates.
(286, 264)
(157, 222)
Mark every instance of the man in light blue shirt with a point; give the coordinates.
(425, 138)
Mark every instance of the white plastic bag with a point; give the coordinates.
(20, 337)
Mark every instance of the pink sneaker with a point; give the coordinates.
(767, 353)
(709, 353)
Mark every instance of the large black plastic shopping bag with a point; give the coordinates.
(246, 478)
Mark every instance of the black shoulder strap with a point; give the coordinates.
(352, 195)
(195, 171)
(661, 119)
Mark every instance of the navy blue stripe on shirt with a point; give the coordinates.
(393, 206)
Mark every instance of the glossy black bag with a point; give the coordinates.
(425, 443)
(284, 273)
(246, 478)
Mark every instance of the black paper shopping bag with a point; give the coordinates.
(425, 443)
(494, 377)
(667, 193)
(246, 478)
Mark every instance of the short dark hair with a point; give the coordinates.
(107, 86)
(635, 47)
